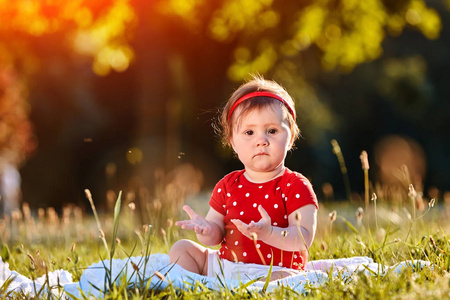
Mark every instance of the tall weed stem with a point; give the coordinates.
(340, 157)
(99, 226)
(374, 199)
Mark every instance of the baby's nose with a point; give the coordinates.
(262, 141)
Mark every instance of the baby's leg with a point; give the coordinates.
(281, 274)
(190, 255)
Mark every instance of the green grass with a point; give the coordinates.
(35, 246)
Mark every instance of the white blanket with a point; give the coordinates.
(155, 272)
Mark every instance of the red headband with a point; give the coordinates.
(260, 94)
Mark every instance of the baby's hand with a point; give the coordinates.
(197, 223)
(262, 228)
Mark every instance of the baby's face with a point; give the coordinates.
(262, 138)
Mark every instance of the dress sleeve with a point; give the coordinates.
(217, 201)
(299, 192)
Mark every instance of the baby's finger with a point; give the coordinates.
(264, 215)
(188, 226)
(241, 226)
(205, 231)
(189, 211)
(201, 230)
(179, 223)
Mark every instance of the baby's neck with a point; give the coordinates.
(261, 177)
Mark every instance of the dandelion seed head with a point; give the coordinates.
(88, 194)
(359, 214)
(364, 160)
(412, 192)
(332, 216)
(432, 242)
(160, 276)
(431, 203)
(31, 258)
(336, 147)
(135, 267)
(132, 205)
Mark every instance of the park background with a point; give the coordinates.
(113, 95)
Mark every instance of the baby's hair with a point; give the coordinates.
(257, 84)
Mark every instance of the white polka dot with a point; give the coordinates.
(227, 211)
(223, 206)
(282, 195)
(285, 216)
(305, 183)
(219, 190)
(258, 246)
(285, 199)
(297, 196)
(240, 186)
(234, 203)
(241, 213)
(267, 196)
(248, 194)
(275, 223)
(244, 254)
(228, 194)
(226, 247)
(295, 255)
(236, 243)
(276, 206)
(269, 255)
(277, 188)
(280, 264)
(255, 205)
(260, 186)
(288, 184)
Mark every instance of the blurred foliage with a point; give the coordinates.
(155, 64)
(16, 138)
(95, 28)
(348, 32)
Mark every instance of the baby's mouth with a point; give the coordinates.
(261, 154)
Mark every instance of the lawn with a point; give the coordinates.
(34, 244)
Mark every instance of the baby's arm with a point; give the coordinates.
(297, 236)
(209, 230)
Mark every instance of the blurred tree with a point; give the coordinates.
(16, 137)
(173, 55)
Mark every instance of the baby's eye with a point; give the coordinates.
(272, 131)
(249, 132)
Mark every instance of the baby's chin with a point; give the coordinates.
(264, 168)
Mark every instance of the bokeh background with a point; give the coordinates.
(116, 95)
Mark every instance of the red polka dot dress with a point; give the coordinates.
(237, 198)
